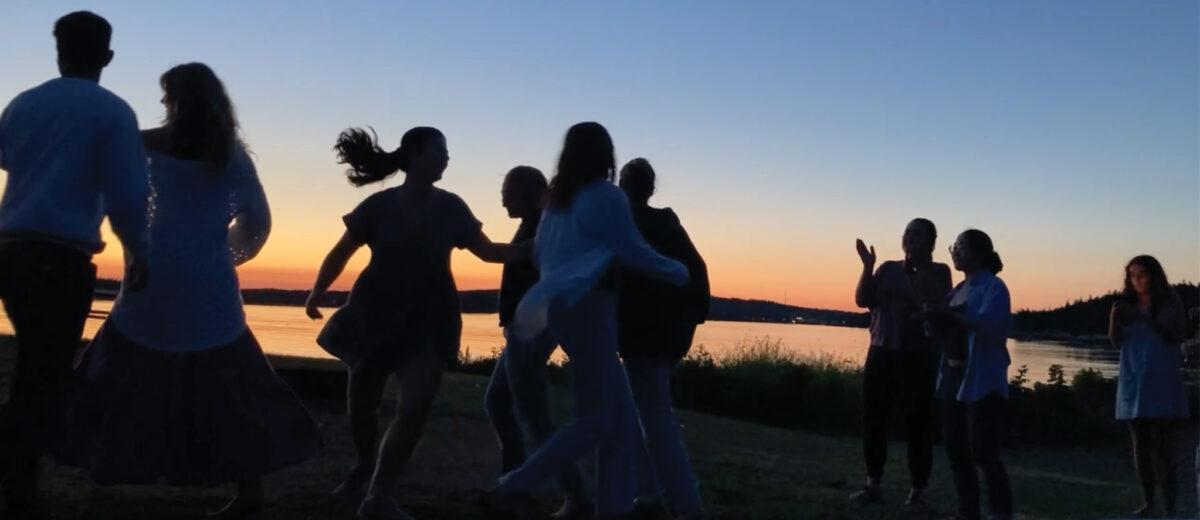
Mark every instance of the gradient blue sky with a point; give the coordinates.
(781, 131)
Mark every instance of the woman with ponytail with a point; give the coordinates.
(972, 383)
(175, 386)
(402, 318)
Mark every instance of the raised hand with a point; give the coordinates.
(866, 254)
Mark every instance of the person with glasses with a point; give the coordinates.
(973, 327)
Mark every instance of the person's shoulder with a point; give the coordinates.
(666, 214)
(448, 196)
(603, 192)
(155, 139)
(993, 281)
(106, 100)
(35, 95)
(600, 187)
(596, 196)
(890, 265)
(381, 196)
(241, 165)
(450, 200)
(241, 155)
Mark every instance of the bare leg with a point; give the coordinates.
(419, 381)
(364, 392)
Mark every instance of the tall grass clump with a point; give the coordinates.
(761, 380)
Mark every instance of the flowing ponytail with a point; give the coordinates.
(369, 163)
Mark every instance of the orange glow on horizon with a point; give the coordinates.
(820, 272)
(831, 290)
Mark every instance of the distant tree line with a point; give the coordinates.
(485, 301)
(1087, 317)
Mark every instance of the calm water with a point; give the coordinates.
(287, 331)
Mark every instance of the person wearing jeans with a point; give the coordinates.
(586, 231)
(972, 383)
(657, 325)
(73, 154)
(602, 416)
(516, 394)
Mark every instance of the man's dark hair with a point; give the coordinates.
(83, 41)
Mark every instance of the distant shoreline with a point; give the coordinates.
(723, 309)
(486, 302)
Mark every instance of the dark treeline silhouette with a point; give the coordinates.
(1081, 317)
(484, 302)
(1087, 317)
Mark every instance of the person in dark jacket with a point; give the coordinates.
(656, 327)
(520, 400)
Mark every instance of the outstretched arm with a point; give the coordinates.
(331, 268)
(610, 219)
(499, 253)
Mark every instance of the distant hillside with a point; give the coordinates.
(1086, 317)
(483, 302)
(1079, 318)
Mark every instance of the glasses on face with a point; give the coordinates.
(955, 249)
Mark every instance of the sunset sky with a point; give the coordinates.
(781, 131)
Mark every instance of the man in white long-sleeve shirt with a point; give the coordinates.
(73, 154)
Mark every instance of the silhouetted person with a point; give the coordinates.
(585, 228)
(520, 402)
(973, 379)
(73, 154)
(901, 367)
(402, 317)
(175, 386)
(657, 322)
(1148, 322)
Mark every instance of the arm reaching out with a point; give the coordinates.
(331, 268)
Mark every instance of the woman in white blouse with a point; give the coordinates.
(587, 226)
(175, 387)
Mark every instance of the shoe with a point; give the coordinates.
(867, 495)
(648, 508)
(573, 508)
(1146, 511)
(236, 509)
(376, 508)
(915, 502)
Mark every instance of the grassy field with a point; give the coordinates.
(747, 471)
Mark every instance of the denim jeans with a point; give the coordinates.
(972, 439)
(603, 418)
(47, 293)
(662, 459)
(516, 401)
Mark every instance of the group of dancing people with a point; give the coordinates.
(174, 387)
(582, 251)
